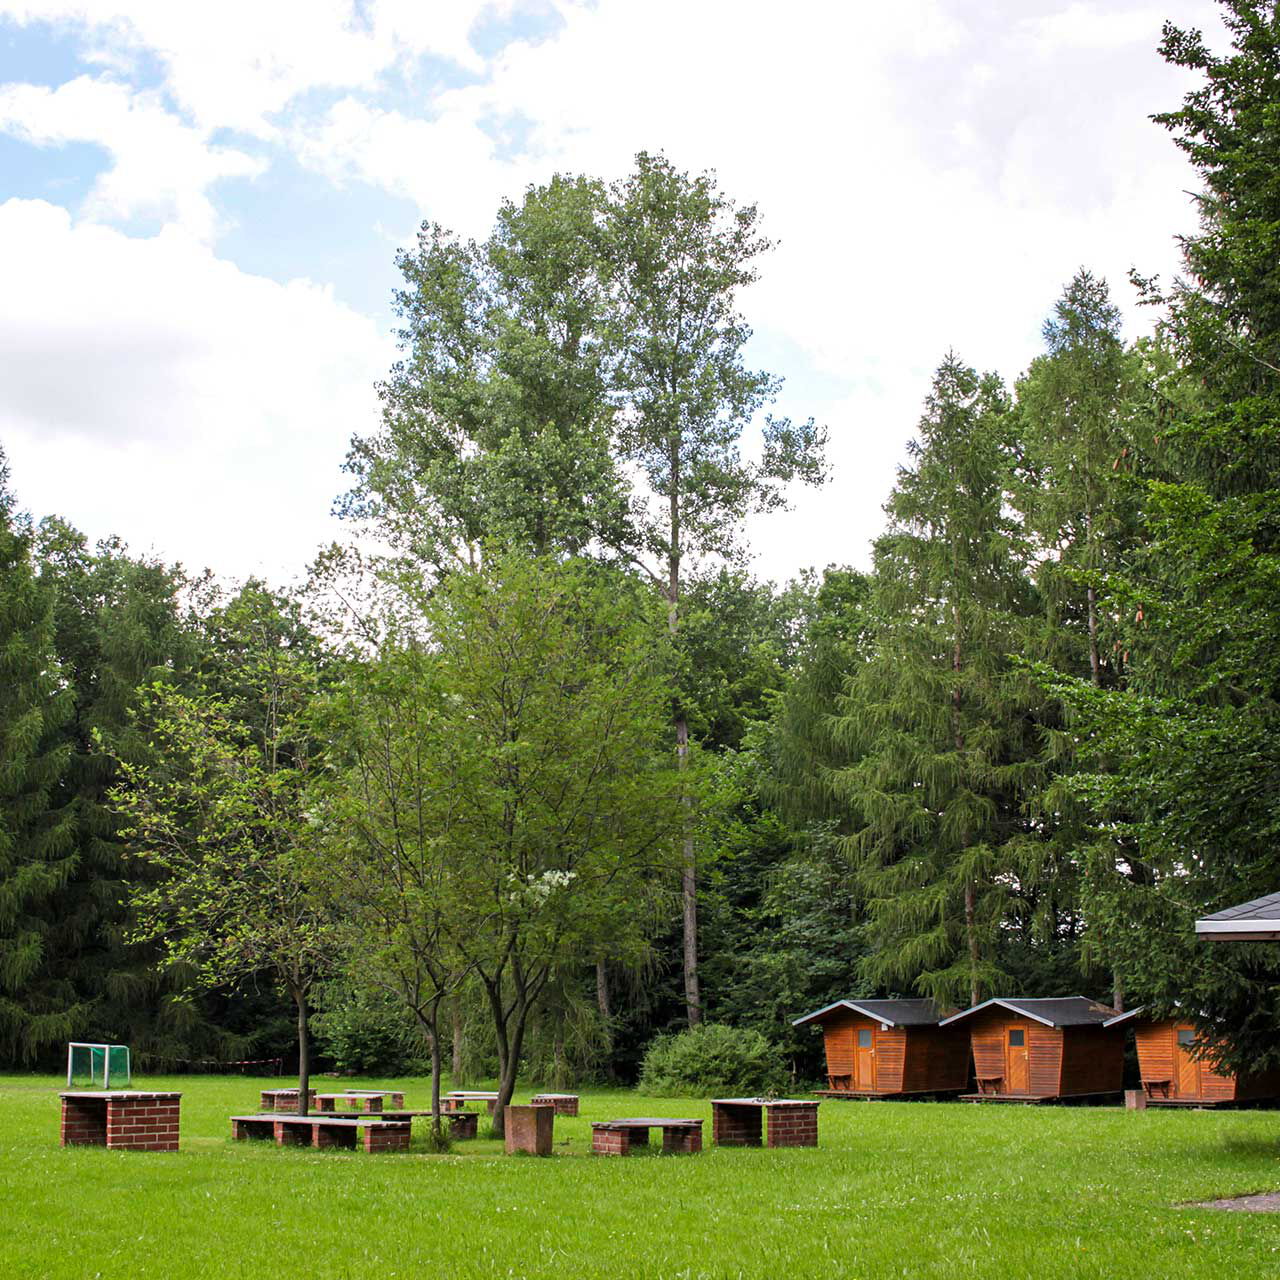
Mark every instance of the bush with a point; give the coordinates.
(366, 1032)
(712, 1059)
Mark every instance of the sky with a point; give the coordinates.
(200, 206)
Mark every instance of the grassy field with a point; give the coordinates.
(914, 1189)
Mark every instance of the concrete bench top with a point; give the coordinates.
(361, 1121)
(131, 1095)
(763, 1102)
(481, 1096)
(556, 1095)
(646, 1122)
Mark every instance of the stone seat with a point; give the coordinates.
(620, 1137)
(324, 1129)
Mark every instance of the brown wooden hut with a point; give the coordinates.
(888, 1048)
(1172, 1074)
(1042, 1050)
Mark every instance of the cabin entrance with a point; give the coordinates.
(1186, 1069)
(863, 1059)
(1017, 1074)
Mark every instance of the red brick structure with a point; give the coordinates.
(462, 1124)
(787, 1122)
(529, 1129)
(124, 1121)
(621, 1137)
(284, 1099)
(324, 1131)
(565, 1104)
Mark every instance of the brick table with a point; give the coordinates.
(457, 1099)
(360, 1100)
(620, 1137)
(124, 1120)
(788, 1122)
(564, 1104)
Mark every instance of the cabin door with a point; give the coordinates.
(1017, 1073)
(864, 1063)
(1186, 1069)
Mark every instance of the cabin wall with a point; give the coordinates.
(838, 1041)
(989, 1036)
(1092, 1060)
(937, 1059)
(890, 1049)
(1157, 1044)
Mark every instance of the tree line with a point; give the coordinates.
(548, 772)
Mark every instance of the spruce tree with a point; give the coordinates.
(936, 721)
(37, 821)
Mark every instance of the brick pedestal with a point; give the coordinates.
(681, 1142)
(611, 1142)
(564, 1104)
(529, 1129)
(124, 1121)
(463, 1124)
(1135, 1099)
(787, 1122)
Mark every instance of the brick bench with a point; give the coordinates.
(283, 1099)
(462, 1124)
(363, 1100)
(620, 1137)
(457, 1099)
(787, 1122)
(565, 1104)
(127, 1120)
(323, 1131)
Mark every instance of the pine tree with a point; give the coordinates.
(936, 721)
(37, 821)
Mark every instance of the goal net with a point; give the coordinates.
(101, 1066)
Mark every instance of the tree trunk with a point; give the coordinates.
(602, 990)
(457, 1047)
(1095, 659)
(970, 925)
(689, 892)
(304, 1054)
(1117, 993)
(435, 1069)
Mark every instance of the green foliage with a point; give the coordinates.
(38, 1006)
(364, 1030)
(711, 1059)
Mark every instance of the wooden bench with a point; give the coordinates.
(620, 1137)
(319, 1130)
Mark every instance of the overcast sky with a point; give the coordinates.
(200, 204)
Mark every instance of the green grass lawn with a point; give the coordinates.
(915, 1189)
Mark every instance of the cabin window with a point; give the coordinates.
(864, 1038)
(1186, 1039)
(1017, 1038)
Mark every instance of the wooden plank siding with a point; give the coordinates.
(916, 1059)
(1061, 1062)
(1160, 1060)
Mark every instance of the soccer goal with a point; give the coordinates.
(103, 1066)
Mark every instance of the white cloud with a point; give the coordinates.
(234, 64)
(161, 168)
(149, 389)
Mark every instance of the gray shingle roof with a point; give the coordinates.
(1061, 1011)
(1258, 920)
(894, 1013)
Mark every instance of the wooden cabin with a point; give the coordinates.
(1173, 1076)
(1042, 1050)
(889, 1048)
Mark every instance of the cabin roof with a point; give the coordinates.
(1062, 1011)
(1122, 1018)
(893, 1013)
(1255, 921)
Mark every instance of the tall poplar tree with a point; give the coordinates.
(38, 1006)
(936, 721)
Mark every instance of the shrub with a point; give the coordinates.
(712, 1059)
(366, 1032)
